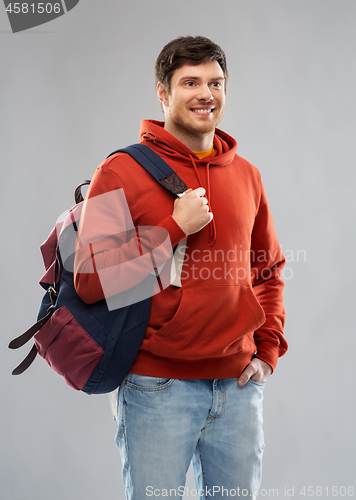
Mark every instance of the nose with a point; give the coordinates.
(205, 93)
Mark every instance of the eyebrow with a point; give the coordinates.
(216, 79)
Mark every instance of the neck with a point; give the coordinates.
(193, 142)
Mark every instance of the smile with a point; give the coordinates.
(202, 111)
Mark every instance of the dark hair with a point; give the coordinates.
(187, 50)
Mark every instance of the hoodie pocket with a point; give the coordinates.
(210, 322)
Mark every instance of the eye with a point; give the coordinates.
(190, 84)
(216, 85)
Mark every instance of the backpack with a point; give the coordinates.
(91, 346)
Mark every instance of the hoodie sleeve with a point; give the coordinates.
(267, 262)
(112, 255)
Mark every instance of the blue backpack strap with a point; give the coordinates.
(156, 166)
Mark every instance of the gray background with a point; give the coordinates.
(75, 89)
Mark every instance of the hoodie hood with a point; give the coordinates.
(225, 146)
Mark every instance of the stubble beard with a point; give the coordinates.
(186, 126)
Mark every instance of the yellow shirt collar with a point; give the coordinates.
(203, 154)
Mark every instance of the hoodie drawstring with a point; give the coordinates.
(212, 226)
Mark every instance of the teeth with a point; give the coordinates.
(202, 111)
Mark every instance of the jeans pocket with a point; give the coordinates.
(147, 383)
(257, 382)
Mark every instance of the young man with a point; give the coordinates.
(195, 390)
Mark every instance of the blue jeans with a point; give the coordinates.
(164, 424)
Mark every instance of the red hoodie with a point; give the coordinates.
(230, 305)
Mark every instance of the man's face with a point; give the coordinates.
(195, 104)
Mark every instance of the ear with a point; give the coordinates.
(162, 94)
